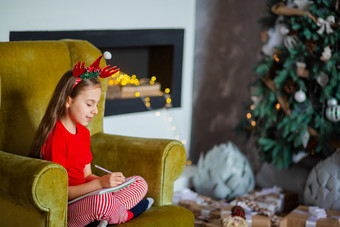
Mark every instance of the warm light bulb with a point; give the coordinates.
(253, 123)
(153, 78)
(137, 94)
(252, 107)
(147, 99)
(111, 82)
(152, 82)
(277, 106)
(248, 115)
(168, 100)
(167, 90)
(158, 113)
(189, 162)
(147, 104)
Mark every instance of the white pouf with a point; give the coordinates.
(223, 173)
(323, 184)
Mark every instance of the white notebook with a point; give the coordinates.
(104, 190)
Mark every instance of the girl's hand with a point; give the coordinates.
(112, 180)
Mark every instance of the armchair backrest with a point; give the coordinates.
(29, 73)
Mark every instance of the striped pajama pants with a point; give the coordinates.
(112, 207)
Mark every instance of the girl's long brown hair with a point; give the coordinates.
(57, 108)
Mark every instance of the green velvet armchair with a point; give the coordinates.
(33, 192)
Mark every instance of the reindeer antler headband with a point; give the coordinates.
(93, 70)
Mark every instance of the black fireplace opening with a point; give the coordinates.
(148, 55)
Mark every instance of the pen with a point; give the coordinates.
(105, 170)
(101, 168)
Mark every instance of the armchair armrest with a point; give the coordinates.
(159, 161)
(35, 184)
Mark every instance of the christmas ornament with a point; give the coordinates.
(275, 38)
(236, 219)
(325, 25)
(322, 79)
(300, 96)
(301, 70)
(333, 113)
(290, 86)
(305, 138)
(302, 4)
(291, 41)
(323, 184)
(326, 54)
(223, 173)
(332, 102)
(310, 45)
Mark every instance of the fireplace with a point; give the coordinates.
(148, 54)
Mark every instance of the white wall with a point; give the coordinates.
(46, 15)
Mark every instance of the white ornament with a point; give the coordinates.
(322, 79)
(323, 184)
(300, 96)
(303, 4)
(325, 25)
(107, 55)
(275, 38)
(223, 173)
(333, 113)
(326, 54)
(291, 41)
(332, 102)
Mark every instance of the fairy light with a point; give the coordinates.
(122, 79)
(189, 162)
(248, 115)
(253, 123)
(252, 107)
(276, 58)
(277, 106)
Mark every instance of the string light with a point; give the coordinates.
(189, 162)
(252, 107)
(122, 79)
(277, 106)
(253, 123)
(276, 58)
(248, 115)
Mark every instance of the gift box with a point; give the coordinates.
(203, 210)
(253, 219)
(301, 217)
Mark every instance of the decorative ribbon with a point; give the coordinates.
(325, 24)
(311, 220)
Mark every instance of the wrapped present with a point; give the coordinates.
(311, 216)
(268, 201)
(253, 218)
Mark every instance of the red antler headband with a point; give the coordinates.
(93, 70)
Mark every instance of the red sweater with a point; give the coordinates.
(72, 151)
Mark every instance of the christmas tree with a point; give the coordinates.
(294, 104)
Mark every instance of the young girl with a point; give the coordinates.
(63, 138)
